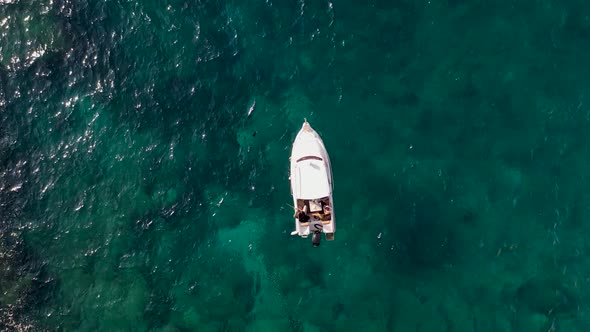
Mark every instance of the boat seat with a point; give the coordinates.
(315, 206)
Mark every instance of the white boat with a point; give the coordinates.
(311, 186)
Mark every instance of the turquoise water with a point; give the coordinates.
(144, 165)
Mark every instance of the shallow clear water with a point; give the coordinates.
(144, 165)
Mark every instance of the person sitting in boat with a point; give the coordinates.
(301, 215)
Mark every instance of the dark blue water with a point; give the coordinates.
(144, 165)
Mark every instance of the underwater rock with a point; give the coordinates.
(21, 282)
(28, 33)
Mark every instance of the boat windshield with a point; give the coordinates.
(308, 158)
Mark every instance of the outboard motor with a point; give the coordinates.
(315, 238)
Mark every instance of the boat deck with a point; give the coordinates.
(317, 209)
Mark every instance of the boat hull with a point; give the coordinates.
(311, 185)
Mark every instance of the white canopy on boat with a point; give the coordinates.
(313, 180)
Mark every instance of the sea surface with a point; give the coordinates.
(144, 158)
